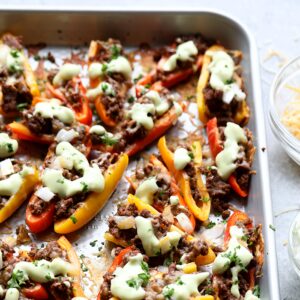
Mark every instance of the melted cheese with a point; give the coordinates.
(95, 70)
(12, 184)
(151, 244)
(65, 73)
(249, 296)
(184, 52)
(222, 70)
(161, 105)
(238, 249)
(52, 108)
(43, 271)
(98, 129)
(120, 65)
(181, 158)
(8, 146)
(103, 88)
(12, 294)
(186, 286)
(174, 200)
(146, 190)
(119, 284)
(91, 180)
(140, 114)
(225, 159)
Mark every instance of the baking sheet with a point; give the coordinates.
(70, 28)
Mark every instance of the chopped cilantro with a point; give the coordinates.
(22, 106)
(93, 243)
(109, 140)
(17, 279)
(132, 283)
(73, 219)
(10, 148)
(167, 261)
(205, 199)
(147, 86)
(209, 291)
(48, 277)
(15, 68)
(84, 267)
(229, 81)
(144, 277)
(210, 225)
(191, 155)
(179, 281)
(144, 266)
(256, 291)
(168, 292)
(82, 256)
(104, 68)
(104, 86)
(37, 57)
(15, 53)
(272, 227)
(115, 51)
(131, 99)
(135, 80)
(85, 187)
(60, 181)
(244, 238)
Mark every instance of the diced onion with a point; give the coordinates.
(124, 222)
(45, 194)
(213, 233)
(184, 222)
(167, 214)
(66, 135)
(6, 167)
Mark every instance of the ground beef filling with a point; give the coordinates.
(15, 96)
(191, 172)
(223, 111)
(107, 50)
(160, 225)
(40, 125)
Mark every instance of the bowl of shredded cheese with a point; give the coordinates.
(284, 110)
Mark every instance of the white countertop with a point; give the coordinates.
(276, 26)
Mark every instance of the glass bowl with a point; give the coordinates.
(280, 96)
(294, 244)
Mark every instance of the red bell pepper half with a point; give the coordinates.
(216, 147)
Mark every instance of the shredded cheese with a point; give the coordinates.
(291, 118)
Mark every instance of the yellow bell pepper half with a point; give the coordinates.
(76, 267)
(242, 115)
(200, 210)
(22, 194)
(95, 201)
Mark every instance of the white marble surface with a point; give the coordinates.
(276, 26)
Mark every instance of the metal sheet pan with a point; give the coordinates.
(69, 28)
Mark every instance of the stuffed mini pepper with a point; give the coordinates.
(73, 189)
(17, 177)
(221, 91)
(48, 272)
(18, 84)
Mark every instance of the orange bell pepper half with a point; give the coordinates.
(102, 113)
(83, 112)
(74, 261)
(237, 216)
(159, 129)
(22, 132)
(199, 210)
